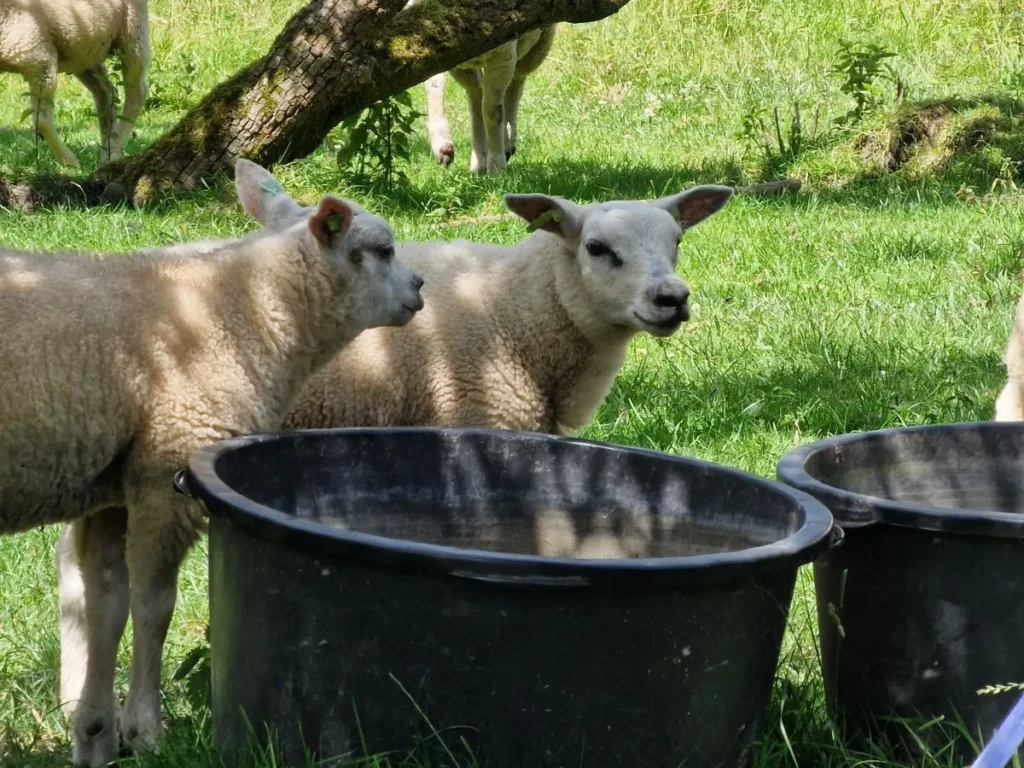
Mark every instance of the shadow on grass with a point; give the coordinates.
(456, 190)
(927, 154)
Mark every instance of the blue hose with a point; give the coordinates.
(1005, 740)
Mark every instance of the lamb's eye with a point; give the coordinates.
(387, 254)
(597, 249)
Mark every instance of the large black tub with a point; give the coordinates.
(923, 605)
(537, 601)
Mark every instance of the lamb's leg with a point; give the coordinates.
(1010, 403)
(470, 81)
(161, 528)
(93, 588)
(42, 86)
(438, 130)
(98, 82)
(497, 76)
(529, 62)
(512, 97)
(134, 54)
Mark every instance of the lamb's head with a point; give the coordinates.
(626, 251)
(358, 247)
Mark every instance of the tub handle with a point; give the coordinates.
(181, 484)
(523, 582)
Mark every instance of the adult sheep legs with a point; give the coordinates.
(493, 84)
(39, 38)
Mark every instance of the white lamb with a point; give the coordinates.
(39, 38)
(494, 86)
(527, 337)
(1010, 403)
(114, 370)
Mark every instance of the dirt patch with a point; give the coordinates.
(976, 144)
(891, 148)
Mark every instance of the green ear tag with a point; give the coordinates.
(271, 186)
(551, 214)
(333, 222)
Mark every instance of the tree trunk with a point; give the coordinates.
(332, 59)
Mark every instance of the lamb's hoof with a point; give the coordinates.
(498, 166)
(445, 154)
(95, 742)
(108, 157)
(140, 734)
(69, 160)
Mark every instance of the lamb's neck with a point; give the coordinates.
(575, 355)
(306, 321)
(288, 306)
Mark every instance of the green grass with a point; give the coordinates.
(869, 300)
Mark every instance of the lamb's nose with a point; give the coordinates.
(417, 282)
(672, 296)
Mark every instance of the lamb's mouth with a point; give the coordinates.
(673, 322)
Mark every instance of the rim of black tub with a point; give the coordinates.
(816, 533)
(852, 509)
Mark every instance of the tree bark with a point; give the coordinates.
(332, 59)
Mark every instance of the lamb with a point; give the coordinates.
(526, 337)
(114, 370)
(494, 86)
(1010, 403)
(39, 38)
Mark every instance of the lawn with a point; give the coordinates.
(875, 297)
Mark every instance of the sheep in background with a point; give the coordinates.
(494, 86)
(39, 38)
(113, 371)
(528, 336)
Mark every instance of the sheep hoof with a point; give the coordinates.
(137, 742)
(142, 735)
(445, 154)
(95, 743)
(68, 158)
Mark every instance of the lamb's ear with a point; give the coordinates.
(331, 220)
(694, 205)
(552, 214)
(263, 197)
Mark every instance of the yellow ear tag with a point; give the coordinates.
(551, 214)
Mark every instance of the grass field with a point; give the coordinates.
(871, 299)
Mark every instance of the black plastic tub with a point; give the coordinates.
(533, 600)
(923, 605)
